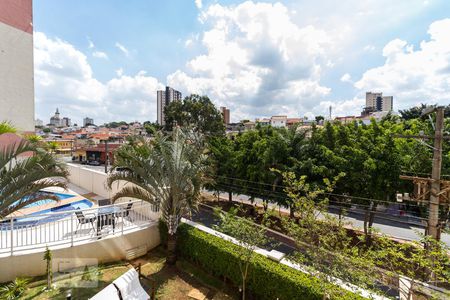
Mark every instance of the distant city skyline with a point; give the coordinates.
(283, 57)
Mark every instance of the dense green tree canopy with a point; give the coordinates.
(416, 111)
(371, 156)
(195, 111)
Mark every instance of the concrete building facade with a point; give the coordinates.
(55, 120)
(163, 98)
(16, 64)
(278, 121)
(88, 121)
(378, 102)
(226, 115)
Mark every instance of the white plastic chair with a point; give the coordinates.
(130, 287)
(108, 293)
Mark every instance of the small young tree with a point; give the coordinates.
(325, 247)
(414, 261)
(14, 289)
(48, 270)
(249, 236)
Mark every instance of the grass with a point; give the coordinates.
(170, 282)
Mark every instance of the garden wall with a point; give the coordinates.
(100, 251)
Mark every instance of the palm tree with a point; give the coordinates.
(52, 146)
(6, 127)
(22, 179)
(168, 171)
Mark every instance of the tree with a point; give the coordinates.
(34, 139)
(48, 268)
(6, 127)
(196, 111)
(113, 124)
(248, 236)
(224, 165)
(413, 260)
(168, 171)
(416, 111)
(319, 119)
(151, 128)
(52, 146)
(22, 179)
(46, 130)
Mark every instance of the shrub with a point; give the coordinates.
(267, 279)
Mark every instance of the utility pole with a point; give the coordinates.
(107, 157)
(435, 182)
(433, 219)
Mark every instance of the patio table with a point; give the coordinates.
(107, 216)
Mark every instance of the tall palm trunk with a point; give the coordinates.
(171, 249)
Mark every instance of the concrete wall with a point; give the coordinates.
(101, 251)
(92, 180)
(16, 61)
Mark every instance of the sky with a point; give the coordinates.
(106, 59)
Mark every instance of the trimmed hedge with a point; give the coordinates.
(266, 280)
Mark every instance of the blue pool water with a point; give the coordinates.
(46, 201)
(37, 218)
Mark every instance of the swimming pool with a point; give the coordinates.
(46, 216)
(46, 201)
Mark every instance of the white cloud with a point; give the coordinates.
(199, 4)
(122, 49)
(257, 61)
(346, 78)
(119, 72)
(352, 107)
(64, 79)
(90, 43)
(100, 54)
(369, 48)
(414, 75)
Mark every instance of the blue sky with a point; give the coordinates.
(106, 59)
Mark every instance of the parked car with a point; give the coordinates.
(94, 163)
(84, 162)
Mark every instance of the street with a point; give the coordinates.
(397, 229)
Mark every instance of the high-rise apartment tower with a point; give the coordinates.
(226, 115)
(378, 102)
(163, 98)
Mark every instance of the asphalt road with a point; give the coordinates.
(397, 229)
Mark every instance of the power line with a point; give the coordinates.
(376, 212)
(420, 173)
(326, 193)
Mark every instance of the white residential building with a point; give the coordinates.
(278, 121)
(376, 102)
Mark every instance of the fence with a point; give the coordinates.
(69, 227)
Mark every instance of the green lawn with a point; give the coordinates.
(171, 282)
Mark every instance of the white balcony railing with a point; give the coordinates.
(31, 232)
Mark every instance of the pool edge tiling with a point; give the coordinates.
(32, 210)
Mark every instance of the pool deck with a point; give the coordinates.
(79, 194)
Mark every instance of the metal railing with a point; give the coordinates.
(35, 231)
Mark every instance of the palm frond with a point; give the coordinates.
(169, 170)
(22, 179)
